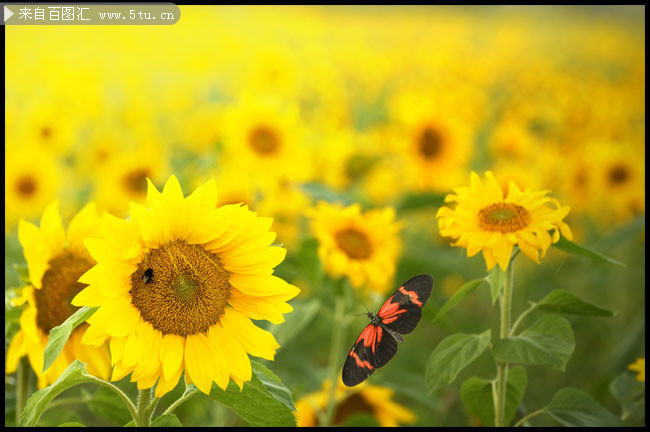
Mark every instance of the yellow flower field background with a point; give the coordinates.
(348, 126)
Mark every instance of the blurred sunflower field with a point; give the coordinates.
(251, 180)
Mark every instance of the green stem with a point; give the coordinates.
(521, 318)
(338, 328)
(180, 400)
(144, 399)
(529, 416)
(120, 393)
(22, 387)
(502, 367)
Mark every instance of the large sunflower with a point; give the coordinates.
(55, 261)
(185, 279)
(483, 220)
(362, 399)
(362, 246)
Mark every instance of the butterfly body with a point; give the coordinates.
(377, 343)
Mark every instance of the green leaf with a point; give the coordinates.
(255, 403)
(575, 249)
(167, 420)
(302, 315)
(459, 295)
(496, 278)
(422, 200)
(59, 335)
(573, 407)
(23, 273)
(74, 375)
(273, 384)
(561, 301)
(477, 396)
(452, 355)
(549, 342)
(630, 393)
(106, 404)
(72, 424)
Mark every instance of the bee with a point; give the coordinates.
(147, 277)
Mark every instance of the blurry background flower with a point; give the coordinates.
(364, 399)
(639, 367)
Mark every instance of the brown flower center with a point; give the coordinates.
(264, 140)
(355, 404)
(59, 286)
(430, 143)
(136, 181)
(26, 185)
(618, 174)
(46, 132)
(358, 165)
(503, 217)
(354, 243)
(180, 288)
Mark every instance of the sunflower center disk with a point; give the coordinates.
(26, 185)
(503, 217)
(354, 243)
(264, 140)
(180, 288)
(59, 286)
(357, 166)
(355, 404)
(430, 143)
(618, 174)
(136, 181)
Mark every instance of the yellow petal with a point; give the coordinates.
(238, 362)
(198, 367)
(15, 352)
(253, 339)
(82, 225)
(171, 354)
(52, 232)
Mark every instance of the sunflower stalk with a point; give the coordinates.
(338, 328)
(144, 414)
(502, 367)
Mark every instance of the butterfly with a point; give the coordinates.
(377, 343)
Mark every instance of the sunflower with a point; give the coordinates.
(55, 261)
(437, 144)
(484, 221)
(362, 246)
(362, 399)
(618, 181)
(124, 177)
(263, 137)
(185, 278)
(32, 180)
(639, 367)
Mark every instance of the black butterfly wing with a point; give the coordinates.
(373, 349)
(403, 310)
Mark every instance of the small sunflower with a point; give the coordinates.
(55, 261)
(32, 180)
(362, 399)
(362, 246)
(484, 221)
(263, 137)
(185, 277)
(639, 367)
(124, 177)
